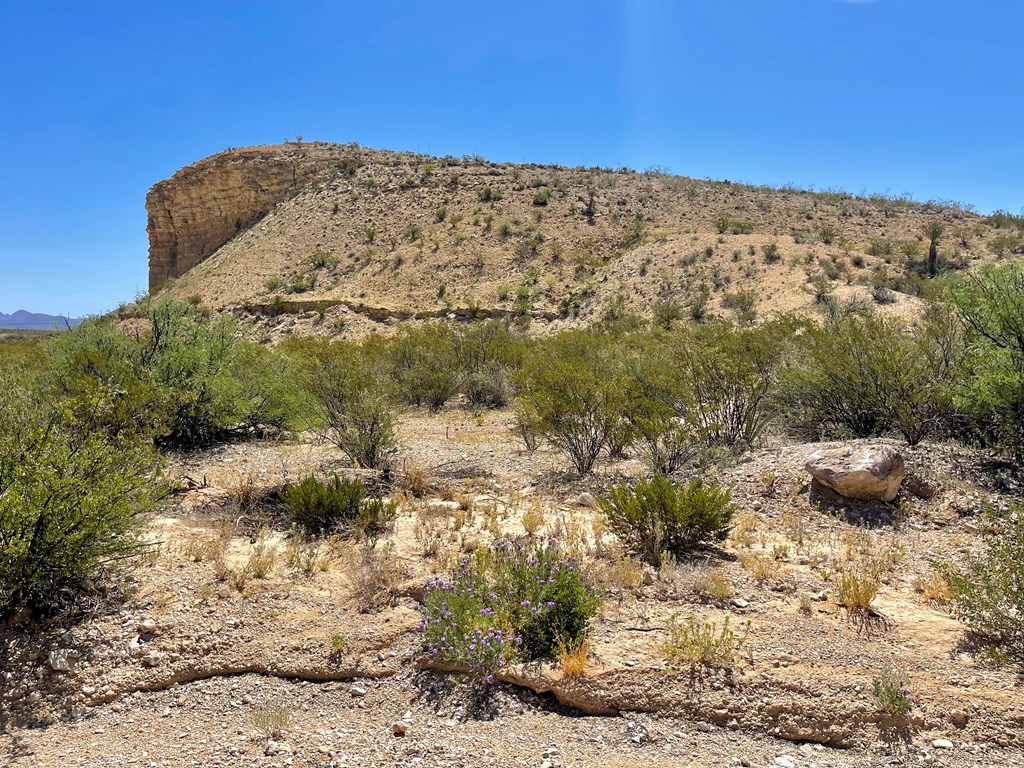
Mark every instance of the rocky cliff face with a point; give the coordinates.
(202, 206)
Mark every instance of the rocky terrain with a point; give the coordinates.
(313, 659)
(326, 238)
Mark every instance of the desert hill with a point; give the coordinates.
(359, 236)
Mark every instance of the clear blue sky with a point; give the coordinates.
(102, 99)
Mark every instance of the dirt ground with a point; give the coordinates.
(237, 644)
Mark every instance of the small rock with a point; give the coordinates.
(148, 626)
(942, 743)
(649, 576)
(756, 506)
(784, 762)
(357, 690)
(958, 718)
(63, 659)
(739, 602)
(399, 728)
(587, 499)
(704, 727)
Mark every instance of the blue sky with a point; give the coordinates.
(102, 99)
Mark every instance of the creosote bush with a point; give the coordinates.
(516, 601)
(352, 398)
(659, 516)
(338, 506)
(71, 500)
(179, 377)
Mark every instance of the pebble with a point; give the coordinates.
(357, 690)
(399, 728)
(739, 602)
(587, 499)
(942, 743)
(784, 762)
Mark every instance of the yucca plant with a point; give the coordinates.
(933, 230)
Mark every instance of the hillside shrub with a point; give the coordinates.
(988, 589)
(72, 501)
(659, 516)
(515, 601)
(339, 505)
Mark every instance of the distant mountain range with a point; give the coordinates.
(35, 321)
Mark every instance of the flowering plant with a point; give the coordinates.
(514, 601)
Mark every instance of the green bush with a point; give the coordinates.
(730, 374)
(179, 377)
(575, 395)
(862, 376)
(659, 516)
(991, 304)
(337, 506)
(988, 589)
(661, 411)
(515, 601)
(425, 366)
(351, 395)
(72, 500)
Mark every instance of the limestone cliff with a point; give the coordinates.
(202, 206)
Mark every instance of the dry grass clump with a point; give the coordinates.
(714, 585)
(271, 718)
(856, 588)
(374, 575)
(207, 546)
(698, 642)
(933, 588)
(534, 518)
(307, 556)
(573, 657)
(743, 532)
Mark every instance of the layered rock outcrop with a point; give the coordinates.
(202, 206)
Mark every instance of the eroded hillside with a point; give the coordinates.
(353, 237)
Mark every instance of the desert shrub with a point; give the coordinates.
(862, 375)
(425, 366)
(661, 410)
(178, 377)
(988, 589)
(487, 355)
(576, 395)
(659, 516)
(701, 642)
(516, 601)
(730, 374)
(339, 505)
(352, 398)
(71, 500)
(744, 303)
(991, 304)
